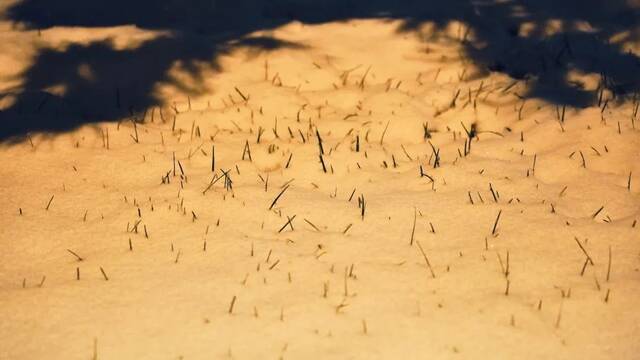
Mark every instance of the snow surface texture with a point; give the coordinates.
(522, 245)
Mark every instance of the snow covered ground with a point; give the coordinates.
(374, 194)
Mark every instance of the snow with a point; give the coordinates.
(338, 285)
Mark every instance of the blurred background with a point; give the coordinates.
(113, 55)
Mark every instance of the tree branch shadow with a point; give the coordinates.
(88, 83)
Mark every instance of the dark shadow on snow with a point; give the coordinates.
(118, 82)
